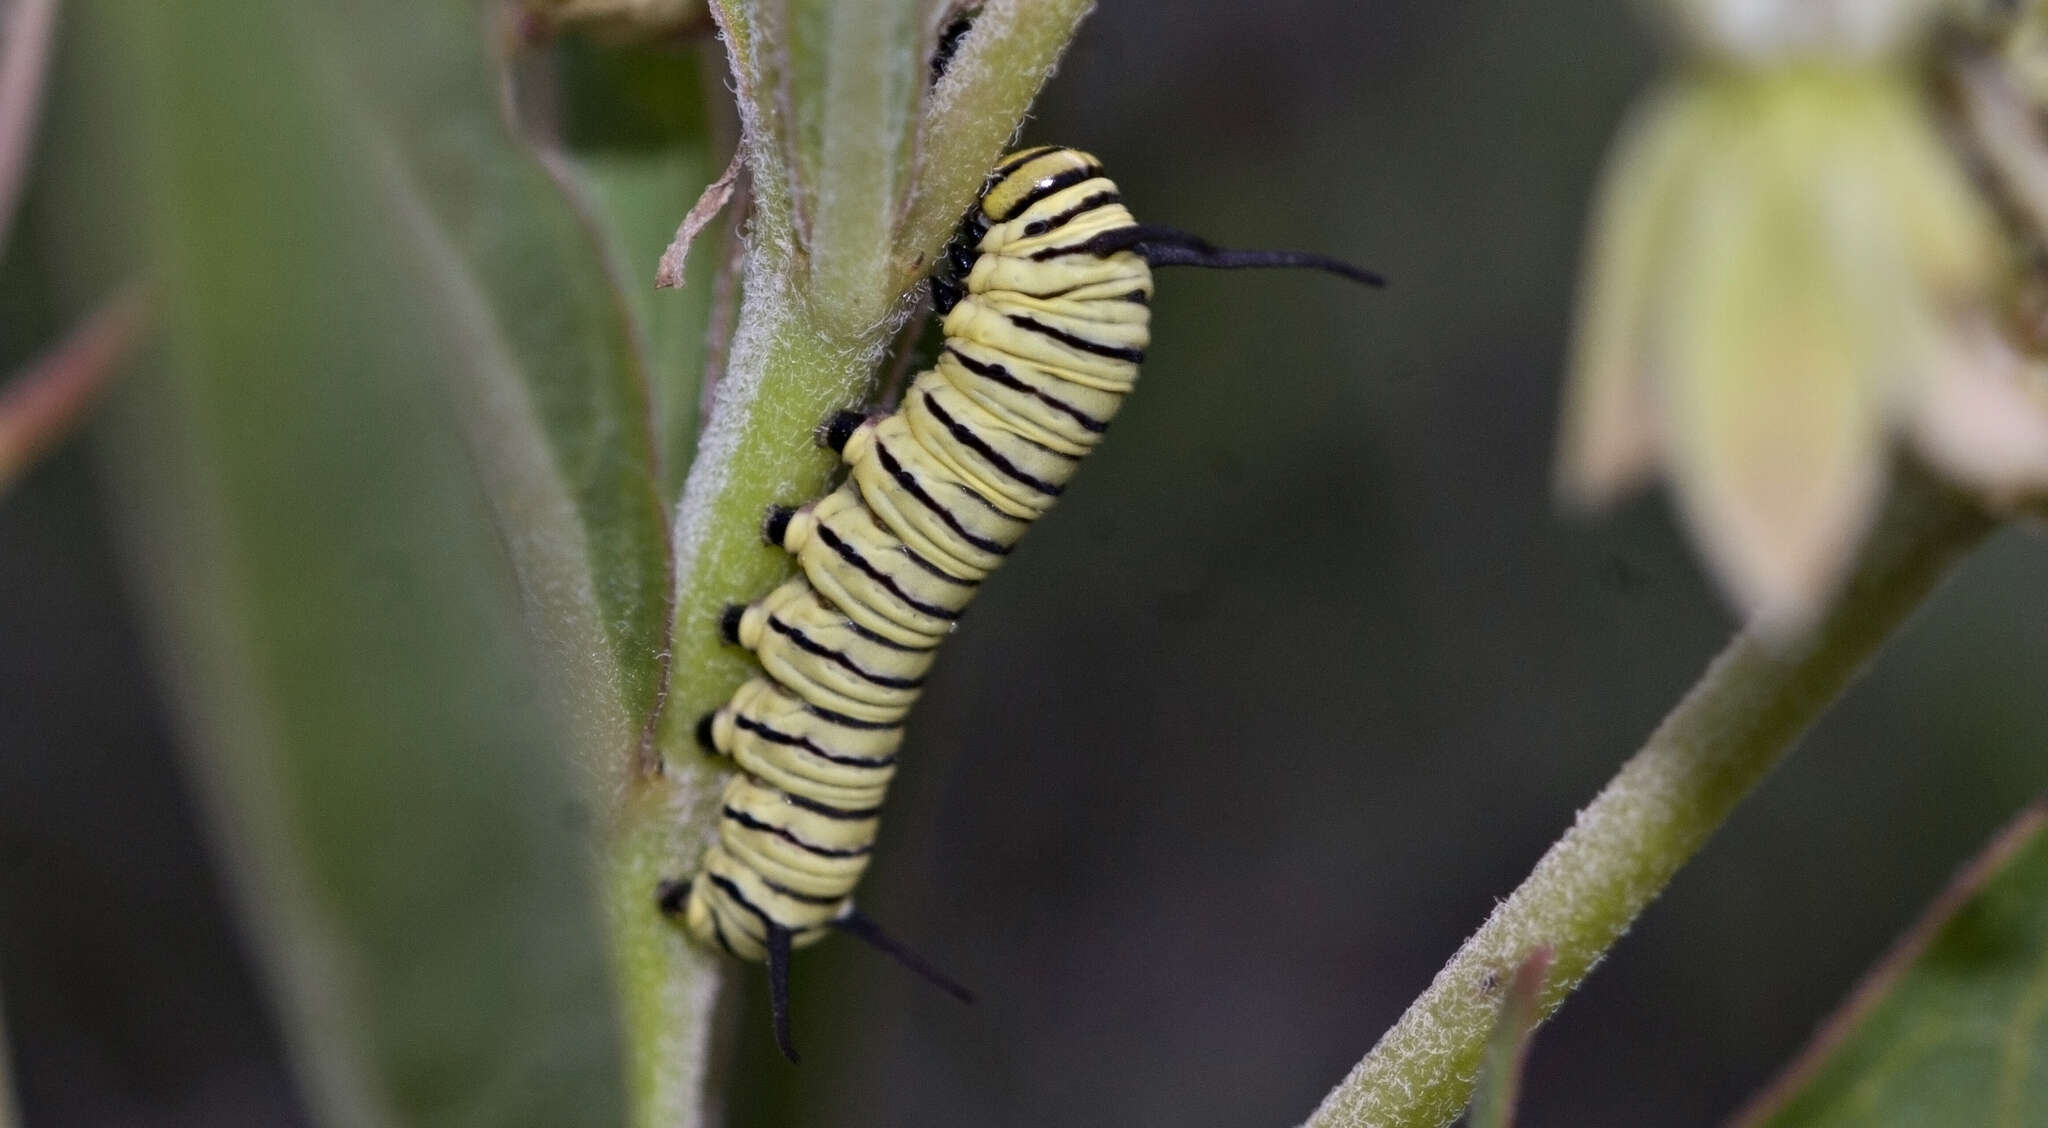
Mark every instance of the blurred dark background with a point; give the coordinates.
(1304, 675)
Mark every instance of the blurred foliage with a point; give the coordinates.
(26, 30)
(1948, 1029)
(636, 128)
(318, 544)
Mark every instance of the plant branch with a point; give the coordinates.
(668, 987)
(785, 374)
(1747, 710)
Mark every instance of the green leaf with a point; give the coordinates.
(1948, 1028)
(642, 144)
(552, 394)
(395, 389)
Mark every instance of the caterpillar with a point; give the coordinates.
(1045, 294)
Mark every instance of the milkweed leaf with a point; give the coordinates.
(553, 397)
(638, 131)
(395, 422)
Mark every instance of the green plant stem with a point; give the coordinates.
(1747, 710)
(668, 987)
(786, 375)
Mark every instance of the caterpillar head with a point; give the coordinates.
(1018, 180)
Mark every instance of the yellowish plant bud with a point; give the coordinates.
(1787, 268)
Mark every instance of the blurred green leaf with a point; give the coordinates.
(1948, 1028)
(553, 392)
(643, 143)
(361, 266)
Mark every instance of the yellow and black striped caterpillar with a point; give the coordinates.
(1045, 295)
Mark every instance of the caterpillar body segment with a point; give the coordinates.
(776, 737)
(793, 627)
(1046, 297)
(925, 498)
(880, 582)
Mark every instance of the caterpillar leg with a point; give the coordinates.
(775, 525)
(836, 430)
